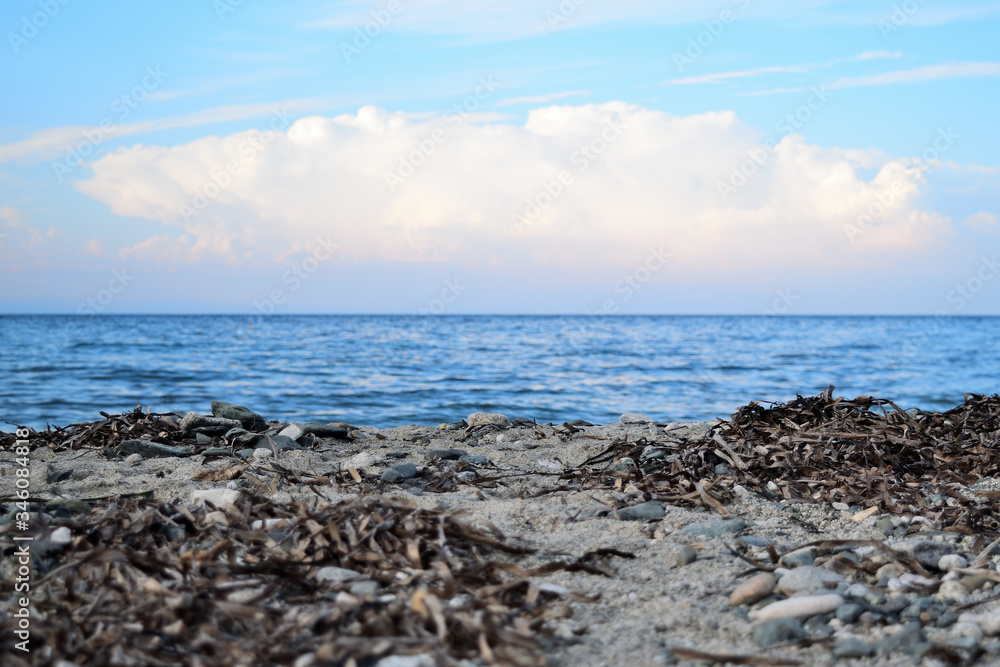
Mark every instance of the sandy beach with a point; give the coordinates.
(631, 542)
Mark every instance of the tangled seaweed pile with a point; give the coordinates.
(865, 452)
(150, 583)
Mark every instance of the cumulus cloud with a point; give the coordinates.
(573, 186)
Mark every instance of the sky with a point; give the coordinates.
(446, 157)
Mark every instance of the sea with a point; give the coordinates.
(385, 370)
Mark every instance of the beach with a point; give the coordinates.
(542, 544)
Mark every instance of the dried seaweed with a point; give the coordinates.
(865, 452)
(154, 583)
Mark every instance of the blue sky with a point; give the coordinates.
(581, 157)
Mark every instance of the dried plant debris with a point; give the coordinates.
(865, 452)
(151, 583)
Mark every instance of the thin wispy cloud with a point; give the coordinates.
(541, 99)
(927, 73)
(781, 69)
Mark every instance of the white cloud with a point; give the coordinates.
(984, 221)
(541, 99)
(656, 184)
(928, 73)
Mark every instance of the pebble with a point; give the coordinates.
(754, 589)
(798, 607)
(477, 419)
(406, 661)
(808, 578)
(716, 528)
(952, 590)
(445, 454)
(61, 535)
(150, 450)
(650, 511)
(797, 558)
(358, 461)
(634, 418)
(336, 575)
(974, 582)
(262, 453)
(686, 556)
(193, 420)
(950, 562)
(134, 459)
(249, 419)
(399, 472)
(905, 641)
(202, 439)
(852, 647)
(293, 431)
(988, 623)
(778, 631)
(927, 552)
(475, 460)
(219, 497)
(849, 612)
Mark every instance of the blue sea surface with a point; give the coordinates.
(391, 370)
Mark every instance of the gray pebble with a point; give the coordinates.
(686, 556)
(904, 641)
(284, 443)
(716, 528)
(399, 472)
(852, 647)
(927, 552)
(150, 450)
(475, 460)
(797, 558)
(651, 511)
(477, 419)
(778, 631)
(202, 439)
(849, 612)
(216, 451)
(250, 419)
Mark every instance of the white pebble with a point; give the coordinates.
(950, 562)
(292, 431)
(262, 453)
(133, 459)
(990, 624)
(966, 629)
(952, 590)
(362, 460)
(798, 607)
(218, 497)
(336, 575)
(61, 535)
(502, 437)
(218, 518)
